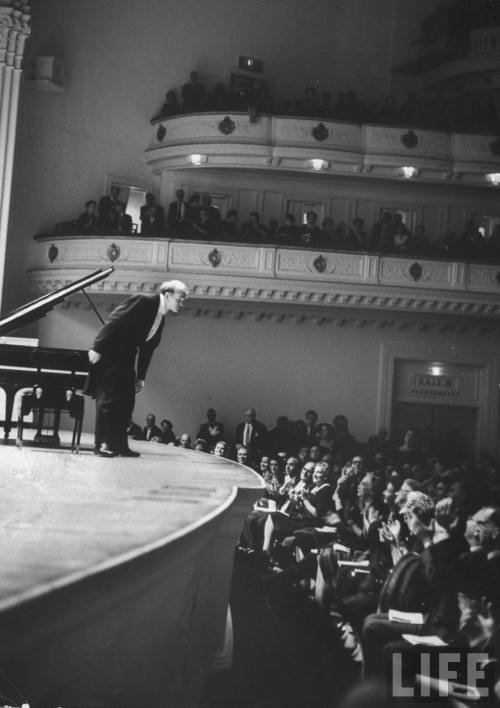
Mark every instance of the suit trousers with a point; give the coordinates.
(114, 393)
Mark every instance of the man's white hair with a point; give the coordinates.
(174, 286)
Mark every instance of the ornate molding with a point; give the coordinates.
(234, 312)
(267, 274)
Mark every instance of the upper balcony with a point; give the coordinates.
(294, 144)
(289, 281)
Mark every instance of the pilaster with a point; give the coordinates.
(14, 30)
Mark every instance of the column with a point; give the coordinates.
(14, 30)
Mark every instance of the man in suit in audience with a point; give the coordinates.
(107, 210)
(151, 430)
(212, 431)
(132, 332)
(251, 434)
(177, 217)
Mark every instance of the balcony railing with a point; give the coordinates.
(296, 144)
(269, 274)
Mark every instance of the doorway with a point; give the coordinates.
(449, 432)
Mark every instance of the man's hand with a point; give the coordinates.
(139, 385)
(94, 356)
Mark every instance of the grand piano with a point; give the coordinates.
(52, 370)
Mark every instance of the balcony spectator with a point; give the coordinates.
(192, 209)
(229, 226)
(288, 234)
(389, 113)
(411, 111)
(420, 245)
(87, 221)
(309, 234)
(339, 110)
(171, 106)
(107, 210)
(354, 108)
(124, 224)
(219, 99)
(494, 245)
(357, 235)
(309, 105)
(152, 217)
(326, 108)
(328, 238)
(381, 237)
(193, 94)
(401, 239)
(265, 101)
(272, 228)
(204, 226)
(252, 230)
(342, 237)
(212, 211)
(178, 214)
(471, 244)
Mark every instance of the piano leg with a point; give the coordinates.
(10, 392)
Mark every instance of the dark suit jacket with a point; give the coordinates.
(258, 439)
(173, 212)
(154, 432)
(124, 335)
(153, 225)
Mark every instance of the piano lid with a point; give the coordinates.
(38, 308)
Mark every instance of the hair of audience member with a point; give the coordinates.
(421, 505)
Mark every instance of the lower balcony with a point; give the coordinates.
(289, 279)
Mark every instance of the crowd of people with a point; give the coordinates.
(195, 217)
(350, 534)
(465, 113)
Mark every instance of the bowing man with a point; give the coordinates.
(120, 358)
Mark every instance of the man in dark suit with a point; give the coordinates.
(178, 217)
(251, 434)
(152, 217)
(133, 331)
(151, 430)
(108, 210)
(212, 431)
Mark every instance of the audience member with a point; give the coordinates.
(252, 434)
(212, 431)
(151, 430)
(152, 217)
(108, 213)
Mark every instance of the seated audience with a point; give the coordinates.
(253, 231)
(185, 441)
(168, 436)
(309, 233)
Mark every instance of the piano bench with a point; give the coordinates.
(51, 401)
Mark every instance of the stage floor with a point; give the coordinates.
(65, 516)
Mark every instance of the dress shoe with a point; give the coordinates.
(106, 451)
(129, 453)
